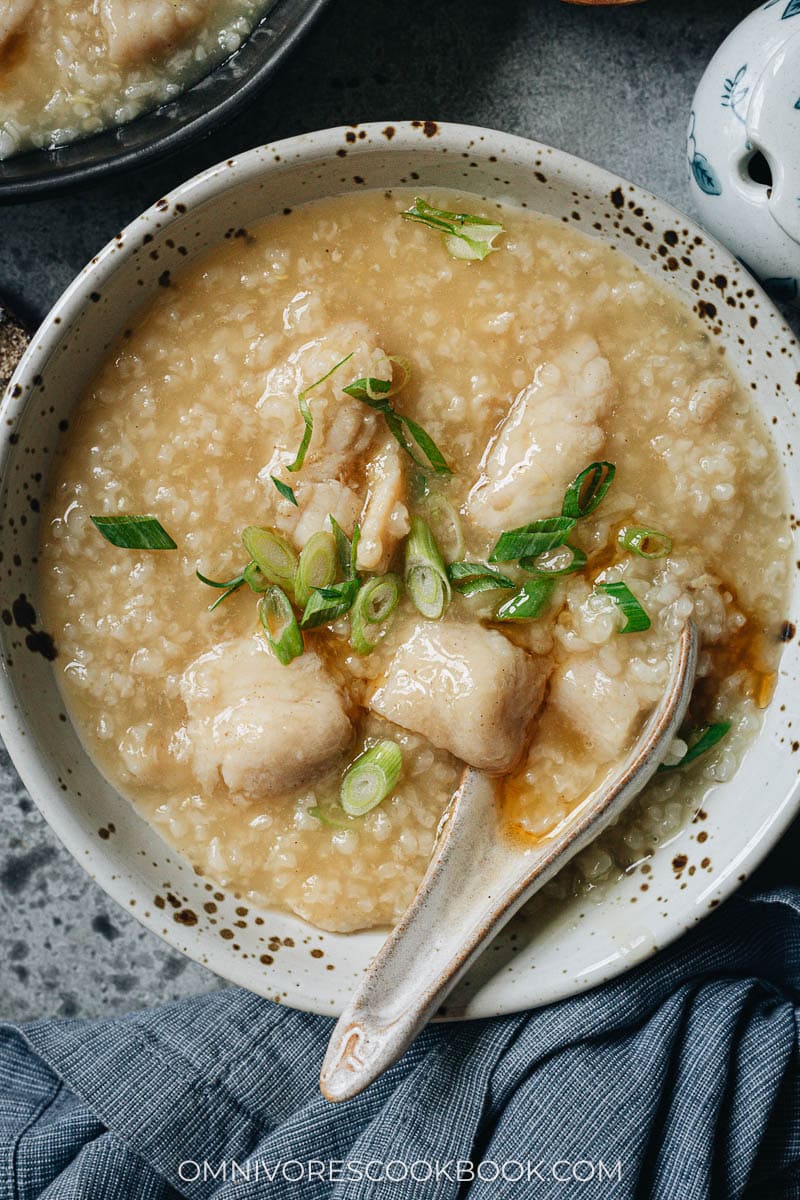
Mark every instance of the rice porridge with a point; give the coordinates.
(69, 68)
(456, 485)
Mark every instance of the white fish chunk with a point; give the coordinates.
(604, 711)
(316, 503)
(139, 30)
(261, 728)
(13, 14)
(465, 688)
(384, 519)
(553, 430)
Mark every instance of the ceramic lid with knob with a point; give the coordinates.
(744, 145)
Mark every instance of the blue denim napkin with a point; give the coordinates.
(678, 1081)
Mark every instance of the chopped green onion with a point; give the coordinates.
(476, 244)
(563, 560)
(307, 417)
(703, 741)
(371, 778)
(346, 549)
(636, 619)
(445, 524)
(647, 543)
(425, 573)
(316, 567)
(229, 585)
(373, 606)
(529, 541)
(375, 393)
(131, 532)
(329, 603)
(469, 578)
(280, 625)
(284, 490)
(329, 817)
(272, 553)
(587, 490)
(255, 578)
(529, 602)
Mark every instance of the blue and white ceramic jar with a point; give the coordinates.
(744, 145)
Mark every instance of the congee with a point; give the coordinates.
(69, 68)
(388, 485)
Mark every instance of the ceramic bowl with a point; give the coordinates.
(743, 147)
(542, 957)
(196, 112)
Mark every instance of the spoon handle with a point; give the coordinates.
(477, 879)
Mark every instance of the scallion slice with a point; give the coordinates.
(372, 608)
(375, 393)
(425, 572)
(371, 778)
(328, 816)
(445, 524)
(563, 560)
(469, 578)
(284, 490)
(345, 548)
(329, 603)
(134, 532)
(272, 553)
(255, 578)
(529, 541)
(701, 742)
(308, 420)
(529, 602)
(646, 543)
(229, 586)
(280, 625)
(636, 619)
(465, 235)
(587, 490)
(316, 567)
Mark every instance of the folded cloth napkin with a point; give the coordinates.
(677, 1081)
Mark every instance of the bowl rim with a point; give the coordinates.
(160, 147)
(210, 184)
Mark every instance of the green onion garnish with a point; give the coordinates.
(371, 778)
(316, 567)
(529, 602)
(475, 244)
(373, 606)
(255, 578)
(375, 393)
(646, 543)
(563, 560)
(280, 625)
(445, 525)
(284, 490)
(469, 578)
(587, 490)
(345, 548)
(328, 816)
(702, 741)
(529, 541)
(229, 585)
(425, 573)
(272, 553)
(636, 619)
(307, 417)
(329, 603)
(131, 532)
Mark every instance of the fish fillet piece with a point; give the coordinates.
(13, 14)
(261, 728)
(553, 430)
(384, 519)
(139, 30)
(603, 710)
(465, 688)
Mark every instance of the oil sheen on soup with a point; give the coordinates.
(457, 511)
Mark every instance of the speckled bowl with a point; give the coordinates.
(539, 958)
(196, 112)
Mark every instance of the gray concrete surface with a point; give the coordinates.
(610, 85)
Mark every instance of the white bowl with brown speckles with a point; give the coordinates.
(534, 961)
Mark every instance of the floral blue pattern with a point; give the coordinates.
(703, 172)
(734, 93)
(792, 8)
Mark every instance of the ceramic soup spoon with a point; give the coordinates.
(479, 876)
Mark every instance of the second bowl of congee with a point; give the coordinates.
(391, 484)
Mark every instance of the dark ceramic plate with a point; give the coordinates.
(197, 111)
